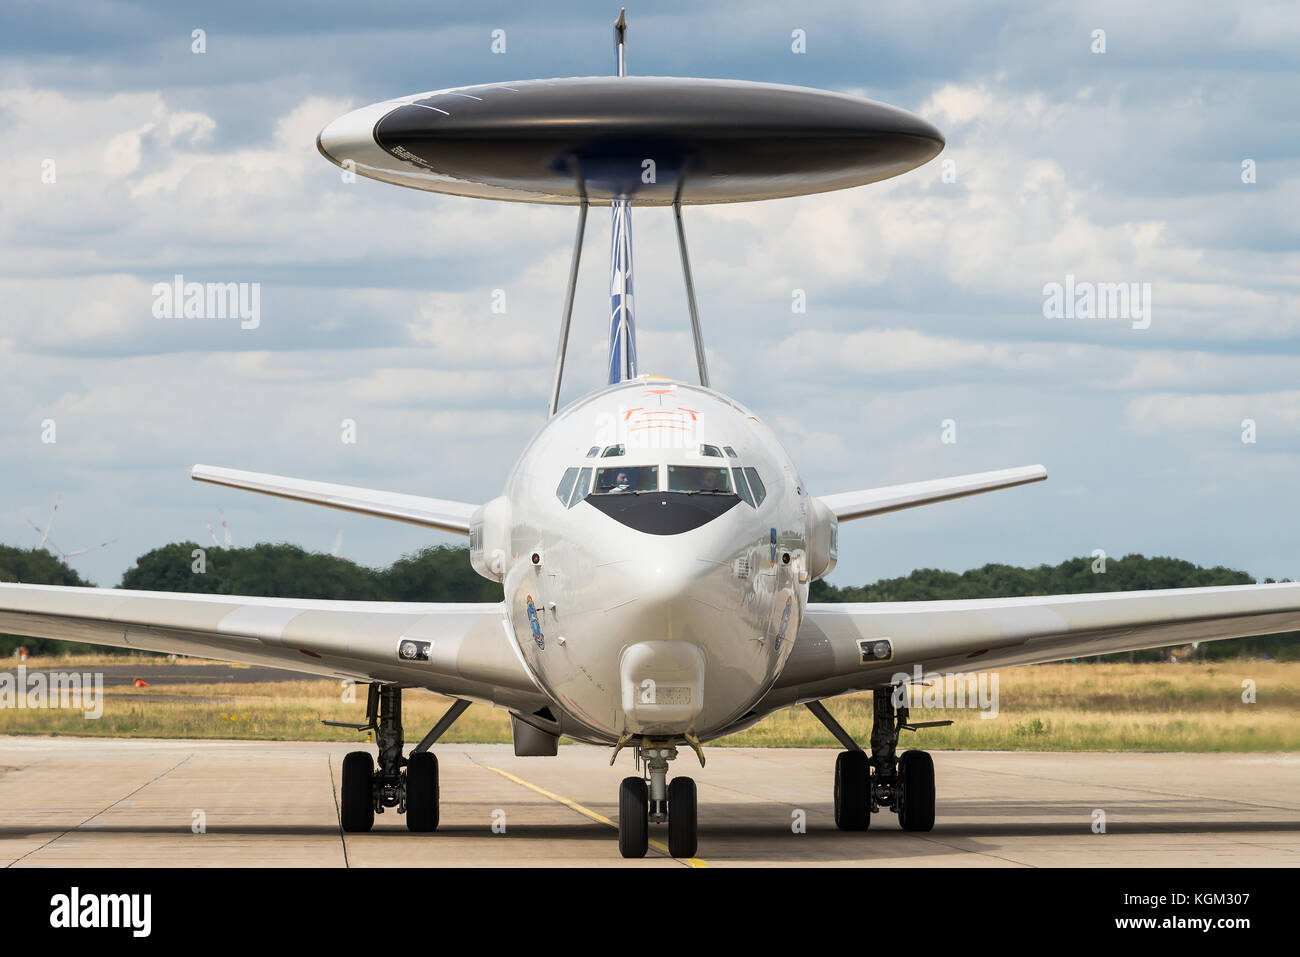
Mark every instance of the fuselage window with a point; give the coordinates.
(731, 453)
(742, 488)
(693, 478)
(580, 487)
(613, 451)
(756, 486)
(710, 451)
(627, 478)
(565, 488)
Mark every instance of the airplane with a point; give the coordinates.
(654, 542)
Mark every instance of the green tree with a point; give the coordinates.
(35, 566)
(440, 573)
(262, 571)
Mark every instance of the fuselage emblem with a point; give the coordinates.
(535, 624)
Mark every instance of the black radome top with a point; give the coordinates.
(650, 140)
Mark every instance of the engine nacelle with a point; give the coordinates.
(489, 538)
(823, 539)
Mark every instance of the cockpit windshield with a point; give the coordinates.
(627, 478)
(693, 478)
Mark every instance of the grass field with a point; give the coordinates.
(1080, 707)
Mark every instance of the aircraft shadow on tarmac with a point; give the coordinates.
(733, 841)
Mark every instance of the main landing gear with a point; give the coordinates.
(409, 784)
(652, 798)
(864, 784)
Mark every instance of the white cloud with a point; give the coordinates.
(1274, 412)
(924, 297)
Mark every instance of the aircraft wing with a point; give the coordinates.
(470, 654)
(436, 513)
(890, 498)
(948, 637)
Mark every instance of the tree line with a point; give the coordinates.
(443, 574)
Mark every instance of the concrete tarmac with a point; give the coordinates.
(67, 802)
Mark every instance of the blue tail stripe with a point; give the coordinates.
(622, 329)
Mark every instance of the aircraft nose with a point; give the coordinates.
(680, 609)
(669, 592)
(658, 582)
(673, 599)
(661, 666)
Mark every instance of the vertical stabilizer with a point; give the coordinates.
(622, 329)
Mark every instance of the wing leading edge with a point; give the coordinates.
(980, 634)
(469, 653)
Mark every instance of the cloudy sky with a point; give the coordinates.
(925, 294)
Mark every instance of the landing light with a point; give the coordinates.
(879, 650)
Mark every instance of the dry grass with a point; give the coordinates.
(278, 711)
(1089, 707)
(1150, 707)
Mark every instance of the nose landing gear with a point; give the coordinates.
(863, 785)
(651, 798)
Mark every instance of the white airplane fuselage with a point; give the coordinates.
(666, 611)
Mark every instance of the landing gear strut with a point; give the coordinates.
(409, 784)
(651, 798)
(863, 785)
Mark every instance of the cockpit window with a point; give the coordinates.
(593, 451)
(710, 451)
(756, 486)
(731, 453)
(693, 478)
(580, 487)
(628, 478)
(565, 488)
(742, 489)
(613, 451)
